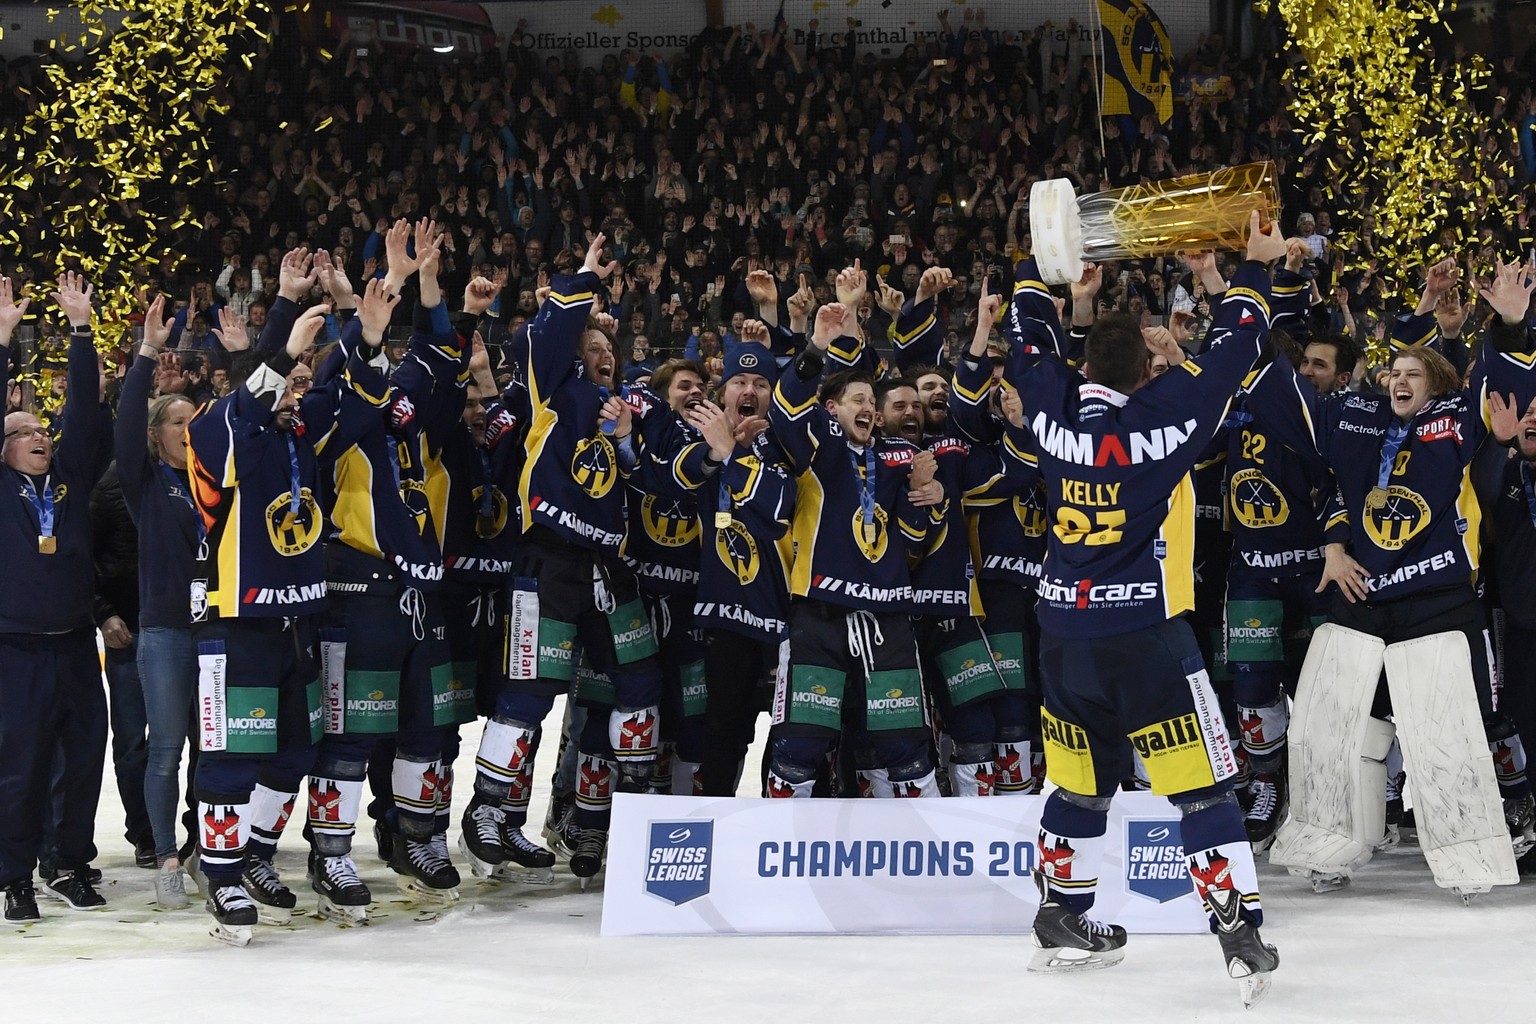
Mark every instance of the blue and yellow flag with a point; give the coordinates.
(1137, 68)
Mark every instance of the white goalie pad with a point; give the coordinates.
(1456, 804)
(1337, 757)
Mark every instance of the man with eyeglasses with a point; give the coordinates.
(51, 698)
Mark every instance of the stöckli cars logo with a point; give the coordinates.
(677, 866)
(1155, 867)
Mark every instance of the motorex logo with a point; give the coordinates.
(1155, 867)
(678, 865)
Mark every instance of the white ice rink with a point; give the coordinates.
(1390, 947)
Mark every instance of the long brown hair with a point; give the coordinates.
(159, 412)
(1438, 371)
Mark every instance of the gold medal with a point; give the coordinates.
(869, 533)
(47, 545)
(723, 520)
(1377, 499)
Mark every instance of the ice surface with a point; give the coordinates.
(1390, 947)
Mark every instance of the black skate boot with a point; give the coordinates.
(635, 776)
(1395, 814)
(480, 838)
(1249, 959)
(274, 900)
(527, 861)
(384, 839)
(1266, 811)
(587, 860)
(558, 822)
(423, 873)
(1065, 941)
(21, 902)
(234, 913)
(343, 896)
(1520, 816)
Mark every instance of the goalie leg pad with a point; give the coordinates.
(1457, 810)
(1330, 737)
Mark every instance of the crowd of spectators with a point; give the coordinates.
(745, 151)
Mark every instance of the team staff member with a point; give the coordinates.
(852, 658)
(49, 674)
(1117, 657)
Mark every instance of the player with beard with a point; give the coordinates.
(852, 660)
(743, 599)
(664, 543)
(959, 669)
(571, 587)
(932, 384)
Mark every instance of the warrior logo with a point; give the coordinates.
(293, 532)
(736, 548)
(1257, 503)
(1402, 517)
(595, 466)
(667, 522)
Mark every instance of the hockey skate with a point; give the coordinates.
(343, 896)
(384, 840)
(1327, 881)
(423, 873)
(557, 824)
(587, 860)
(274, 900)
(1394, 834)
(234, 913)
(1266, 810)
(1520, 816)
(1065, 941)
(1249, 959)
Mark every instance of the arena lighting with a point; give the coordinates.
(445, 48)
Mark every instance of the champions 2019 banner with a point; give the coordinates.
(743, 866)
(1137, 61)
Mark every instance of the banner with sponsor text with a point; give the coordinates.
(744, 866)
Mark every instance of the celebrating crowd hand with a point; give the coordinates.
(1161, 341)
(754, 331)
(800, 305)
(157, 329)
(334, 280)
(231, 331)
(763, 288)
(1264, 246)
(375, 309)
(1441, 278)
(593, 262)
(305, 328)
(716, 428)
(1509, 293)
(401, 265)
(1012, 406)
(933, 281)
(829, 325)
(11, 311)
(851, 285)
(74, 298)
(1451, 313)
(889, 299)
(1350, 575)
(479, 294)
(296, 274)
(1505, 416)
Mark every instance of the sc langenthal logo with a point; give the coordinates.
(679, 861)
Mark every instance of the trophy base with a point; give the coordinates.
(1056, 231)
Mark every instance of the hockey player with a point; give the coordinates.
(571, 587)
(852, 660)
(53, 699)
(743, 600)
(1403, 548)
(259, 581)
(1117, 658)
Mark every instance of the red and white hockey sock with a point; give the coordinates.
(1228, 866)
(221, 842)
(633, 734)
(506, 750)
(1011, 769)
(923, 786)
(874, 782)
(779, 788)
(267, 813)
(1263, 732)
(333, 809)
(1070, 865)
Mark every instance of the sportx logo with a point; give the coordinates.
(1109, 449)
(679, 860)
(1155, 867)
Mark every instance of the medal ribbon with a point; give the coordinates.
(1397, 433)
(43, 503)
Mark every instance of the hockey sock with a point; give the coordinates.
(1395, 774)
(922, 786)
(506, 752)
(1263, 733)
(632, 734)
(1216, 845)
(444, 816)
(515, 806)
(661, 770)
(782, 788)
(333, 807)
(267, 814)
(222, 838)
(1508, 759)
(413, 780)
(1071, 846)
(685, 778)
(874, 782)
(594, 790)
(1011, 768)
(970, 769)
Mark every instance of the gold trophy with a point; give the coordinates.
(1162, 218)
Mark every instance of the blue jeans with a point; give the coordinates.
(168, 672)
(130, 754)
